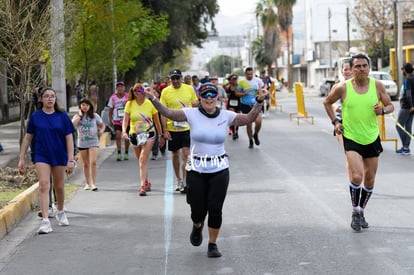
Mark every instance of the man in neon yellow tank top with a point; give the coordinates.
(361, 97)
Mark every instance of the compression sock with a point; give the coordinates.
(355, 191)
(365, 195)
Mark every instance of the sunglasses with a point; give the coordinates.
(175, 77)
(139, 90)
(209, 95)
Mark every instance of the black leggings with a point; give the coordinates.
(205, 194)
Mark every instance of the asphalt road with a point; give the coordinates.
(287, 211)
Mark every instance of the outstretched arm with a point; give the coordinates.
(176, 115)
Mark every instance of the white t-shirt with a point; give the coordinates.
(207, 152)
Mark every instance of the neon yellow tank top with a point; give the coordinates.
(358, 117)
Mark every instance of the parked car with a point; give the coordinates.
(326, 86)
(389, 84)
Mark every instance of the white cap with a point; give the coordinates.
(207, 74)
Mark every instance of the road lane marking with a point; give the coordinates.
(168, 210)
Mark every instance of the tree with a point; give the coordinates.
(258, 52)
(375, 21)
(189, 22)
(131, 26)
(266, 11)
(25, 34)
(285, 15)
(223, 64)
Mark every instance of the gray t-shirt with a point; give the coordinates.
(88, 131)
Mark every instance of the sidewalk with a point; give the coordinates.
(22, 204)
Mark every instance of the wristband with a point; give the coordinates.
(73, 161)
(258, 100)
(384, 111)
(335, 121)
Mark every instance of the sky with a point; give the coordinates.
(235, 16)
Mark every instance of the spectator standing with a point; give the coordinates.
(93, 93)
(406, 113)
(52, 131)
(116, 106)
(89, 127)
(177, 133)
(68, 95)
(80, 90)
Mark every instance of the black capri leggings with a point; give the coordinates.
(205, 194)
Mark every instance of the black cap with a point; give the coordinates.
(208, 87)
(175, 72)
(408, 67)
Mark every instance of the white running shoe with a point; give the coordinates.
(178, 185)
(61, 218)
(45, 227)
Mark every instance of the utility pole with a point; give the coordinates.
(58, 50)
(330, 43)
(347, 29)
(114, 69)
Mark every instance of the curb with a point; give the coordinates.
(17, 209)
(22, 204)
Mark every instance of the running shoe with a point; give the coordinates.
(154, 157)
(126, 156)
(196, 236)
(142, 191)
(86, 187)
(256, 139)
(404, 152)
(213, 251)
(364, 223)
(62, 219)
(251, 144)
(50, 212)
(94, 188)
(147, 186)
(230, 132)
(178, 184)
(45, 227)
(356, 221)
(119, 157)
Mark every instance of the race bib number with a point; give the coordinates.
(181, 124)
(120, 112)
(233, 102)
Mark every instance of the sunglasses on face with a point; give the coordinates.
(209, 95)
(139, 90)
(176, 77)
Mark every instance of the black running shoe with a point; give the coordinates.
(356, 221)
(196, 236)
(256, 139)
(364, 223)
(213, 251)
(251, 144)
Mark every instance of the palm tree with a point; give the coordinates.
(266, 11)
(285, 15)
(258, 52)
